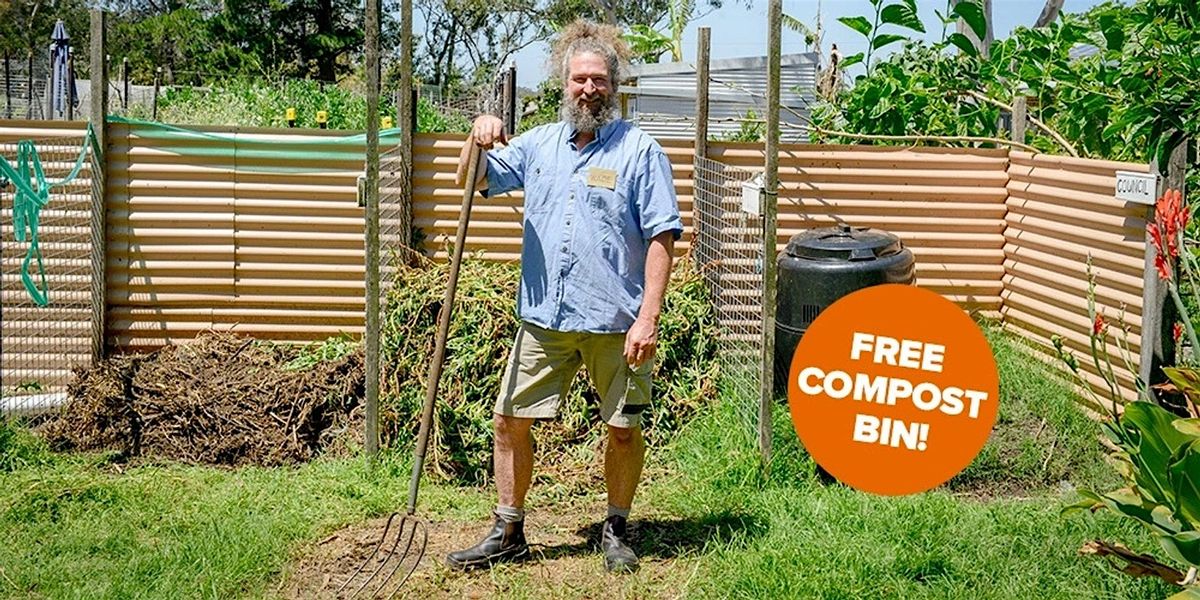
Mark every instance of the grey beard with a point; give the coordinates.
(582, 119)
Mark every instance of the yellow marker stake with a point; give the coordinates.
(322, 118)
(387, 123)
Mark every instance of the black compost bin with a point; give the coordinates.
(820, 266)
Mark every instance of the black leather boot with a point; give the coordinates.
(618, 556)
(504, 543)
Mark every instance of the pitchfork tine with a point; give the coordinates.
(382, 538)
(404, 557)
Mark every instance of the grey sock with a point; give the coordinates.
(622, 512)
(510, 514)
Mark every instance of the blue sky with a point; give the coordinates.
(738, 31)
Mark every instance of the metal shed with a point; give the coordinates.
(662, 97)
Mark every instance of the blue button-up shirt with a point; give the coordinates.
(583, 256)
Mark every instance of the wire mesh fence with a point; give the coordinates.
(394, 219)
(487, 98)
(42, 338)
(24, 81)
(728, 251)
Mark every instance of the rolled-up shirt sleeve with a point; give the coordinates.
(506, 168)
(658, 207)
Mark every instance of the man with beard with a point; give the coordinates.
(601, 219)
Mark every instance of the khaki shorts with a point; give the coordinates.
(543, 363)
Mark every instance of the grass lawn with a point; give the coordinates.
(710, 522)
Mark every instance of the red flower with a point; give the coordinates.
(1164, 270)
(1100, 326)
(1166, 232)
(1176, 332)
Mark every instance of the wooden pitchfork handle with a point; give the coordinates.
(439, 349)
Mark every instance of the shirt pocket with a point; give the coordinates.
(610, 207)
(538, 192)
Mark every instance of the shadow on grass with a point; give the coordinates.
(667, 538)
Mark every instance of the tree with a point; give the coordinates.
(25, 25)
(1049, 13)
(470, 39)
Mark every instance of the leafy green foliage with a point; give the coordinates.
(1134, 100)
(258, 103)
(902, 96)
(901, 14)
(548, 99)
(198, 41)
(648, 44)
(315, 353)
(1156, 452)
(1159, 456)
(972, 13)
(751, 129)
(481, 333)
(19, 449)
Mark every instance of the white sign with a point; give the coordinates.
(752, 195)
(1141, 188)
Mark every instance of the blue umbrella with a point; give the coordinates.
(63, 78)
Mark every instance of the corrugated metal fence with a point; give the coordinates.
(1060, 212)
(200, 236)
(262, 235)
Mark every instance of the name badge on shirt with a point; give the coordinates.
(605, 178)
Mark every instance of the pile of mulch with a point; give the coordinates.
(220, 399)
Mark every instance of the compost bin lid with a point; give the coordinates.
(844, 242)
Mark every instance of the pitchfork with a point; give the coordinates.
(410, 530)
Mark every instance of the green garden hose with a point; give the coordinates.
(32, 195)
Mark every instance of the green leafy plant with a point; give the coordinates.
(260, 103)
(315, 353)
(1133, 99)
(750, 129)
(970, 12)
(1156, 452)
(902, 14)
(1158, 456)
(648, 44)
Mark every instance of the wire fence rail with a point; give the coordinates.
(24, 82)
(43, 339)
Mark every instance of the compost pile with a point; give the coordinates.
(481, 334)
(220, 399)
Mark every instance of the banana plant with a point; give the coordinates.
(647, 43)
(901, 14)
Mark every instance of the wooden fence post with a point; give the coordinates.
(700, 221)
(125, 87)
(766, 400)
(407, 122)
(97, 112)
(154, 101)
(1158, 313)
(1020, 120)
(7, 88)
(372, 250)
(29, 87)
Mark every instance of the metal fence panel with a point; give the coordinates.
(41, 343)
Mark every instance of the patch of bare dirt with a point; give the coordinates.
(220, 399)
(566, 561)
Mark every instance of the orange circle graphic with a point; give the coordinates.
(893, 390)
